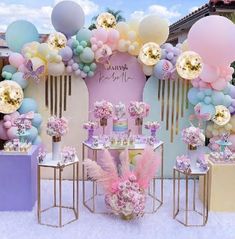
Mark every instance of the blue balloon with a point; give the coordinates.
(19, 33)
(37, 140)
(37, 120)
(207, 100)
(208, 109)
(227, 100)
(162, 69)
(192, 96)
(84, 35)
(10, 69)
(28, 104)
(201, 95)
(208, 91)
(33, 133)
(19, 78)
(217, 98)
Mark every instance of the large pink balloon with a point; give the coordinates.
(3, 131)
(209, 73)
(213, 39)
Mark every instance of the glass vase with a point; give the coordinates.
(90, 136)
(56, 148)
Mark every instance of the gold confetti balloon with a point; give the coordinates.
(57, 40)
(222, 115)
(106, 20)
(11, 96)
(189, 65)
(150, 54)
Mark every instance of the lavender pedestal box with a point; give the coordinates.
(18, 180)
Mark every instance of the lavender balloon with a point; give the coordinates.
(67, 17)
(66, 53)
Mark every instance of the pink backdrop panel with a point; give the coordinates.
(123, 81)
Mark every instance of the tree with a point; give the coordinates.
(117, 14)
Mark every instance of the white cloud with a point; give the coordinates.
(40, 17)
(192, 9)
(170, 14)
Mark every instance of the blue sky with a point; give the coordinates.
(38, 12)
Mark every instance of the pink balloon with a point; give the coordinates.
(69, 69)
(212, 38)
(7, 117)
(15, 114)
(209, 73)
(113, 36)
(22, 68)
(198, 83)
(100, 34)
(3, 131)
(7, 124)
(11, 133)
(220, 84)
(232, 140)
(16, 59)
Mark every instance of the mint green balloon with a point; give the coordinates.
(93, 66)
(84, 35)
(86, 69)
(75, 44)
(19, 33)
(83, 43)
(79, 49)
(87, 56)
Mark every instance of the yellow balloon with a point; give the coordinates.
(57, 41)
(184, 46)
(189, 65)
(148, 70)
(134, 24)
(150, 53)
(153, 29)
(43, 51)
(222, 115)
(123, 29)
(11, 96)
(106, 20)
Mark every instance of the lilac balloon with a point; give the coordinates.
(77, 72)
(66, 53)
(70, 63)
(170, 55)
(67, 17)
(69, 69)
(75, 66)
(70, 42)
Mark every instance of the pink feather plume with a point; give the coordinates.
(125, 163)
(147, 165)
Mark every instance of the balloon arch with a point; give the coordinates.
(204, 59)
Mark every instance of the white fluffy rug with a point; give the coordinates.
(23, 225)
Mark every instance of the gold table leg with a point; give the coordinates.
(39, 195)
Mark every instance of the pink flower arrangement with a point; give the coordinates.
(103, 109)
(183, 163)
(138, 109)
(193, 136)
(90, 125)
(68, 154)
(154, 125)
(125, 190)
(56, 126)
(24, 123)
(128, 199)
